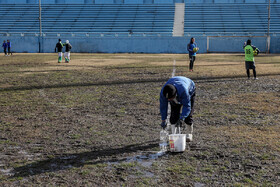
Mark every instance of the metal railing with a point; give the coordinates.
(134, 34)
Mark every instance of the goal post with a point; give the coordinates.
(234, 44)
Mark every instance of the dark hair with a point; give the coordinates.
(59, 40)
(169, 91)
(191, 40)
(249, 42)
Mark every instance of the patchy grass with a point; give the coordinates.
(77, 124)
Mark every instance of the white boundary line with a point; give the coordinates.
(169, 107)
(174, 68)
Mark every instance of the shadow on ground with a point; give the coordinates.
(67, 161)
(139, 81)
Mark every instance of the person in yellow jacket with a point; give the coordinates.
(250, 50)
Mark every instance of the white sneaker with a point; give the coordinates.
(189, 136)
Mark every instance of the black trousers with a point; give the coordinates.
(9, 51)
(176, 111)
(250, 65)
(192, 59)
(5, 51)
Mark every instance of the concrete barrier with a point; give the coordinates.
(154, 44)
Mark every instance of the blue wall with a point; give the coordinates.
(275, 44)
(133, 2)
(139, 44)
(229, 44)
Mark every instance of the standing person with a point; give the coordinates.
(59, 47)
(9, 47)
(180, 93)
(249, 58)
(68, 47)
(4, 45)
(192, 52)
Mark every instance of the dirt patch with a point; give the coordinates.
(83, 63)
(5, 85)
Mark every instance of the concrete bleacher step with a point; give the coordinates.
(222, 18)
(178, 26)
(140, 18)
(88, 18)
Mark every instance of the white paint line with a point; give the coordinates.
(169, 107)
(174, 68)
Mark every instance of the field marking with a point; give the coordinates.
(169, 107)
(174, 68)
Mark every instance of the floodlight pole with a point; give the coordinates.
(40, 23)
(268, 29)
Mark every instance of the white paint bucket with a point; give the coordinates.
(177, 142)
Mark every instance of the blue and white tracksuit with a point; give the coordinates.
(185, 90)
(190, 49)
(192, 55)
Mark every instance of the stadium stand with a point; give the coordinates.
(142, 18)
(143, 28)
(114, 18)
(230, 18)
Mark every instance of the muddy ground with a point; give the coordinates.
(89, 123)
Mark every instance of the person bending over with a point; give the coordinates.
(180, 93)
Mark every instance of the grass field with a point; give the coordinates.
(96, 121)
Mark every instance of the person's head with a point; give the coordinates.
(67, 41)
(4, 41)
(192, 40)
(249, 42)
(8, 40)
(169, 92)
(59, 40)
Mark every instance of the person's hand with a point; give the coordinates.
(163, 124)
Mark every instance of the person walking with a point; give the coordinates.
(9, 45)
(249, 58)
(68, 48)
(4, 45)
(192, 48)
(58, 48)
(179, 91)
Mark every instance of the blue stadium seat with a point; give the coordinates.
(138, 19)
(230, 18)
(115, 18)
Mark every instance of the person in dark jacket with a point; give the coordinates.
(68, 48)
(180, 93)
(9, 45)
(192, 52)
(249, 58)
(58, 48)
(4, 45)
